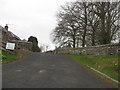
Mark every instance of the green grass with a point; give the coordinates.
(107, 64)
(0, 52)
(7, 57)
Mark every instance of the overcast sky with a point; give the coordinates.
(27, 18)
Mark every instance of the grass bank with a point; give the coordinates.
(107, 64)
(7, 57)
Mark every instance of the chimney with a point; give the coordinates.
(6, 27)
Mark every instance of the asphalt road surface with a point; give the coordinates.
(41, 70)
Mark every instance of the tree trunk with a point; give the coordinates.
(85, 29)
(93, 37)
(74, 38)
(108, 36)
(103, 33)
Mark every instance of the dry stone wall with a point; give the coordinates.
(111, 49)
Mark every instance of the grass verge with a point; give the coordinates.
(107, 64)
(7, 57)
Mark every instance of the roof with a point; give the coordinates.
(10, 33)
(13, 35)
(20, 41)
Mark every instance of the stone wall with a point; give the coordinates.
(111, 49)
(22, 45)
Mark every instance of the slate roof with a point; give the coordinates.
(10, 33)
(13, 35)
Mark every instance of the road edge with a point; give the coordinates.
(105, 76)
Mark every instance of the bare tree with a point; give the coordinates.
(67, 29)
(86, 23)
(82, 18)
(108, 14)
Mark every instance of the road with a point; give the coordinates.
(40, 70)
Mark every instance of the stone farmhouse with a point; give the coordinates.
(8, 36)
